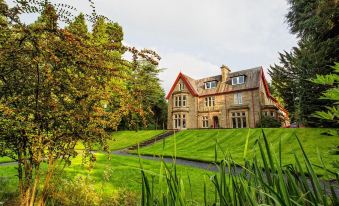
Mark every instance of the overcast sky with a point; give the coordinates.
(198, 36)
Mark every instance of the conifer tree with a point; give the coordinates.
(316, 24)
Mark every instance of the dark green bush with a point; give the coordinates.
(268, 122)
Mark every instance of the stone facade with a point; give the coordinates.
(217, 102)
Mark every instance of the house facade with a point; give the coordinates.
(230, 100)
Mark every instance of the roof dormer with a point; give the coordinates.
(238, 80)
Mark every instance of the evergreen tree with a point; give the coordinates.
(316, 24)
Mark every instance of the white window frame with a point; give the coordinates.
(238, 98)
(184, 100)
(210, 84)
(210, 101)
(205, 121)
(181, 86)
(180, 100)
(239, 119)
(238, 80)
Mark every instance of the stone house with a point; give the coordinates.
(230, 100)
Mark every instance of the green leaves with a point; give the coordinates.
(331, 113)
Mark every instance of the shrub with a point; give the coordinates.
(81, 191)
(268, 122)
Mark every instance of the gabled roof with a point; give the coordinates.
(188, 83)
(197, 87)
(268, 93)
(253, 78)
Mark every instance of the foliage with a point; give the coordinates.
(148, 95)
(332, 94)
(265, 183)
(268, 122)
(81, 191)
(60, 86)
(315, 23)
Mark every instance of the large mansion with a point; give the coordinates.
(230, 100)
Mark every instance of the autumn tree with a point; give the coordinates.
(58, 86)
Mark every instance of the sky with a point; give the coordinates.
(197, 36)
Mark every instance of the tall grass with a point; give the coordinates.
(263, 181)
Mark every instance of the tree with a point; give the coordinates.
(332, 112)
(316, 24)
(58, 86)
(144, 85)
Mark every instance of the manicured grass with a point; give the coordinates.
(124, 139)
(200, 144)
(122, 172)
(6, 159)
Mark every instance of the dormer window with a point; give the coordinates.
(181, 86)
(210, 85)
(238, 80)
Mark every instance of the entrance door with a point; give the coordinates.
(215, 122)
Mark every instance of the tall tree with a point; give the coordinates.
(316, 24)
(58, 87)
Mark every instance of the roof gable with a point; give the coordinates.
(187, 84)
(268, 93)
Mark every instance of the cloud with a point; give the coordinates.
(176, 62)
(197, 36)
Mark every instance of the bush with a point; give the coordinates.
(81, 191)
(268, 122)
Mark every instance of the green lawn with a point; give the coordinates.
(121, 172)
(124, 139)
(200, 144)
(6, 159)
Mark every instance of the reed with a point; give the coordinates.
(264, 182)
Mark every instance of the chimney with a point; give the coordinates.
(224, 72)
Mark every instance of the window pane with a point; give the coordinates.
(241, 80)
(213, 84)
(239, 122)
(244, 122)
(234, 123)
(234, 81)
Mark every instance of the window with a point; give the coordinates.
(184, 100)
(181, 86)
(205, 121)
(210, 85)
(183, 121)
(180, 101)
(176, 119)
(272, 114)
(210, 101)
(265, 113)
(176, 102)
(238, 80)
(239, 120)
(179, 121)
(237, 98)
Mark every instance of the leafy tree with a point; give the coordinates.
(144, 85)
(59, 87)
(316, 24)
